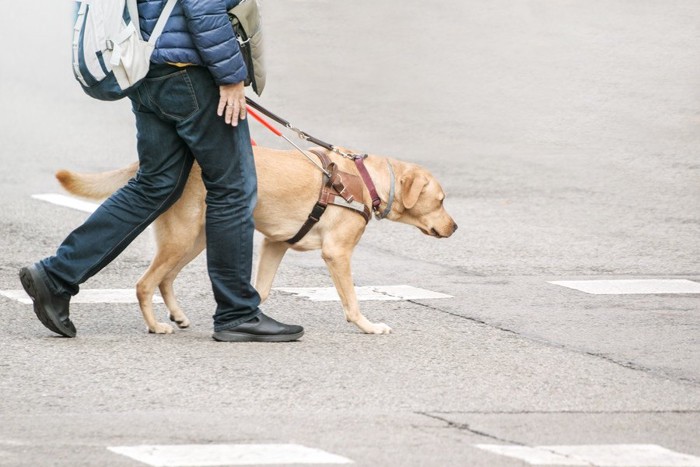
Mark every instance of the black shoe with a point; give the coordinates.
(52, 310)
(262, 328)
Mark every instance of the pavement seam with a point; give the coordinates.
(628, 365)
(463, 271)
(466, 427)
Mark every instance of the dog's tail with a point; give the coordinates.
(96, 185)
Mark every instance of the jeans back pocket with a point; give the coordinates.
(172, 95)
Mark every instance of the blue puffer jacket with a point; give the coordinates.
(198, 32)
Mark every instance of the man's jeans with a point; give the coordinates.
(177, 123)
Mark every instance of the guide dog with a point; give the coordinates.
(288, 187)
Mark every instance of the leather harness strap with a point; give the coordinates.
(340, 188)
(360, 164)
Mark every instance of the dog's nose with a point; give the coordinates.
(455, 228)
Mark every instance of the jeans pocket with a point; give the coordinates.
(172, 95)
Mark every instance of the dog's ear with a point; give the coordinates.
(412, 185)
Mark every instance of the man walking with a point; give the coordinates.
(191, 106)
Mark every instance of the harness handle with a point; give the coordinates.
(279, 133)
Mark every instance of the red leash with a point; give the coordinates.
(279, 133)
(263, 121)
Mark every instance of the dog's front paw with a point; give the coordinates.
(182, 321)
(368, 327)
(379, 328)
(161, 328)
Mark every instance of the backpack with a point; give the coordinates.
(246, 22)
(109, 55)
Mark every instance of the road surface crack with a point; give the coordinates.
(466, 427)
(628, 364)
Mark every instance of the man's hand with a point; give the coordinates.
(232, 103)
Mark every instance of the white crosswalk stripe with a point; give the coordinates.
(601, 455)
(367, 293)
(87, 296)
(194, 455)
(633, 286)
(67, 201)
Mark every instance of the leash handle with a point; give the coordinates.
(279, 133)
(269, 114)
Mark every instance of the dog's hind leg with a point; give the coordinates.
(338, 260)
(271, 254)
(174, 245)
(167, 257)
(167, 290)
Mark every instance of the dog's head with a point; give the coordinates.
(421, 200)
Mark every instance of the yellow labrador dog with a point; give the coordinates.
(288, 187)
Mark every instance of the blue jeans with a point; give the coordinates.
(176, 124)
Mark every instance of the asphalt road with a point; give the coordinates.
(565, 134)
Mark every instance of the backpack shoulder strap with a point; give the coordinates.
(160, 25)
(134, 16)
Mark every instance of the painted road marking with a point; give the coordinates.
(87, 296)
(67, 201)
(197, 455)
(385, 292)
(602, 455)
(532, 455)
(320, 294)
(624, 287)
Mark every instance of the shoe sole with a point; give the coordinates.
(49, 321)
(244, 337)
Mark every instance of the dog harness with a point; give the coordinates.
(340, 188)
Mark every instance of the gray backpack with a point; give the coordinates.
(109, 55)
(245, 18)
